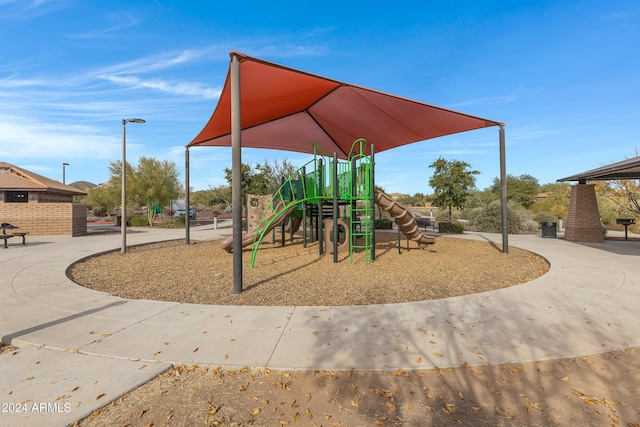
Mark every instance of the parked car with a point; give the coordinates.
(181, 212)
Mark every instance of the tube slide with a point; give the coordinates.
(247, 238)
(406, 223)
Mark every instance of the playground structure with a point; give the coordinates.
(333, 194)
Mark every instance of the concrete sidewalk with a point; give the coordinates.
(93, 344)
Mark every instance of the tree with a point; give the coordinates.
(452, 181)
(102, 199)
(213, 196)
(624, 193)
(154, 183)
(521, 189)
(556, 201)
(415, 200)
(263, 179)
(269, 178)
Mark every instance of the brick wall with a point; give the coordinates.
(583, 217)
(43, 219)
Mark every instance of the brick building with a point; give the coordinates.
(39, 205)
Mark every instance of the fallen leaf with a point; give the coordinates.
(448, 408)
(213, 409)
(382, 392)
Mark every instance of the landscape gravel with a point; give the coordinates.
(294, 275)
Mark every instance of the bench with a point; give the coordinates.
(6, 236)
(423, 221)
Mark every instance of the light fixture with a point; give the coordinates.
(123, 209)
(64, 181)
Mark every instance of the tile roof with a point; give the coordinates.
(15, 178)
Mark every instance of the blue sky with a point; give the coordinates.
(562, 75)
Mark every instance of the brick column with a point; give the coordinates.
(583, 218)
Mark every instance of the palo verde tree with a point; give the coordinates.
(451, 182)
(102, 199)
(152, 182)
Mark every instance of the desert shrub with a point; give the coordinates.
(488, 219)
(443, 214)
(138, 221)
(171, 222)
(99, 212)
(450, 227)
(383, 224)
(544, 217)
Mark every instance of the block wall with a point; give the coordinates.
(583, 217)
(45, 219)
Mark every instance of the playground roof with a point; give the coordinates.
(626, 169)
(287, 109)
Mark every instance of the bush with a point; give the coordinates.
(138, 221)
(450, 227)
(383, 224)
(544, 217)
(170, 222)
(488, 219)
(99, 212)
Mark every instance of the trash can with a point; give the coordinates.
(549, 229)
(118, 220)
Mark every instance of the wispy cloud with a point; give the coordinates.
(122, 21)
(502, 99)
(14, 82)
(289, 51)
(176, 88)
(24, 138)
(27, 9)
(157, 62)
(527, 134)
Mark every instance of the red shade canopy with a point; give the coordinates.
(287, 109)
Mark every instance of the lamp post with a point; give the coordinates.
(64, 181)
(123, 209)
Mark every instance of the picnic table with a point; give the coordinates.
(6, 236)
